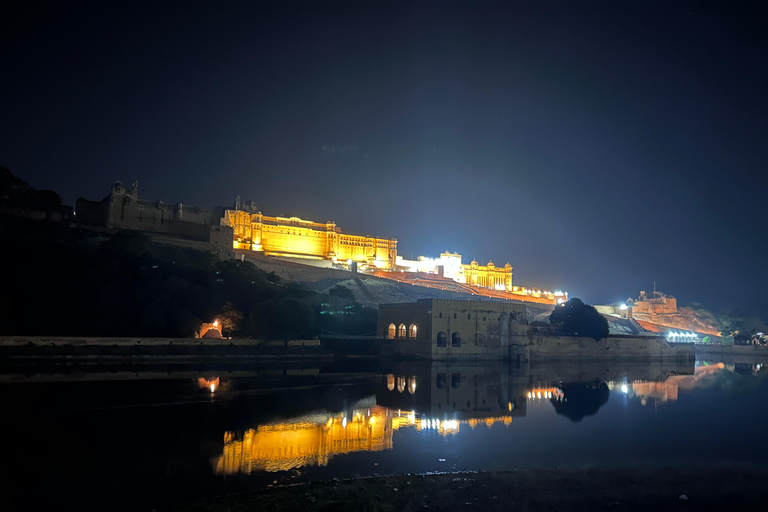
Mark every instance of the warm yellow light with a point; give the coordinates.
(215, 323)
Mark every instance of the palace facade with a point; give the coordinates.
(449, 265)
(298, 238)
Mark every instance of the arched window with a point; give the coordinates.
(412, 331)
(455, 339)
(441, 339)
(401, 383)
(392, 331)
(401, 331)
(455, 380)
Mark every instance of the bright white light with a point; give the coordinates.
(560, 301)
(623, 307)
(213, 388)
(344, 422)
(624, 389)
(215, 323)
(349, 261)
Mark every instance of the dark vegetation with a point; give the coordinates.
(15, 192)
(70, 282)
(574, 318)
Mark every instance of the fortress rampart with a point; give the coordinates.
(122, 209)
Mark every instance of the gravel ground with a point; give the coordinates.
(533, 490)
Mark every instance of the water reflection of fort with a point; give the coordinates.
(438, 399)
(315, 440)
(668, 389)
(306, 441)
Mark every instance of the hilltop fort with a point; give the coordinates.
(243, 230)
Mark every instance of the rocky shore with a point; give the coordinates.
(699, 489)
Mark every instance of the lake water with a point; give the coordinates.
(153, 437)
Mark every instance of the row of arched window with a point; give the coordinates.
(402, 331)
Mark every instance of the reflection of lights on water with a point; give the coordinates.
(208, 384)
(344, 422)
(624, 389)
(552, 393)
(412, 385)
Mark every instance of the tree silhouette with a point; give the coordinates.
(574, 318)
(580, 400)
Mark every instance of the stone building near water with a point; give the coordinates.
(298, 238)
(452, 329)
(465, 329)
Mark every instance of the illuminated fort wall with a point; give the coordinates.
(656, 304)
(488, 276)
(280, 236)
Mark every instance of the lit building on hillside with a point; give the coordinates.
(486, 277)
(297, 238)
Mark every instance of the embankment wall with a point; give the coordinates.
(619, 347)
(717, 350)
(42, 347)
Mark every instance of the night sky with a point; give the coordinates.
(598, 147)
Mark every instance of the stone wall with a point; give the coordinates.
(619, 347)
(122, 209)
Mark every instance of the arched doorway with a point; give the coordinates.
(412, 331)
(402, 331)
(442, 338)
(455, 339)
(392, 331)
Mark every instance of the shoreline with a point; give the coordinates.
(578, 489)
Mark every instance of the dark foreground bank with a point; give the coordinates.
(587, 489)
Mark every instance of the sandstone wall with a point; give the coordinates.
(620, 347)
